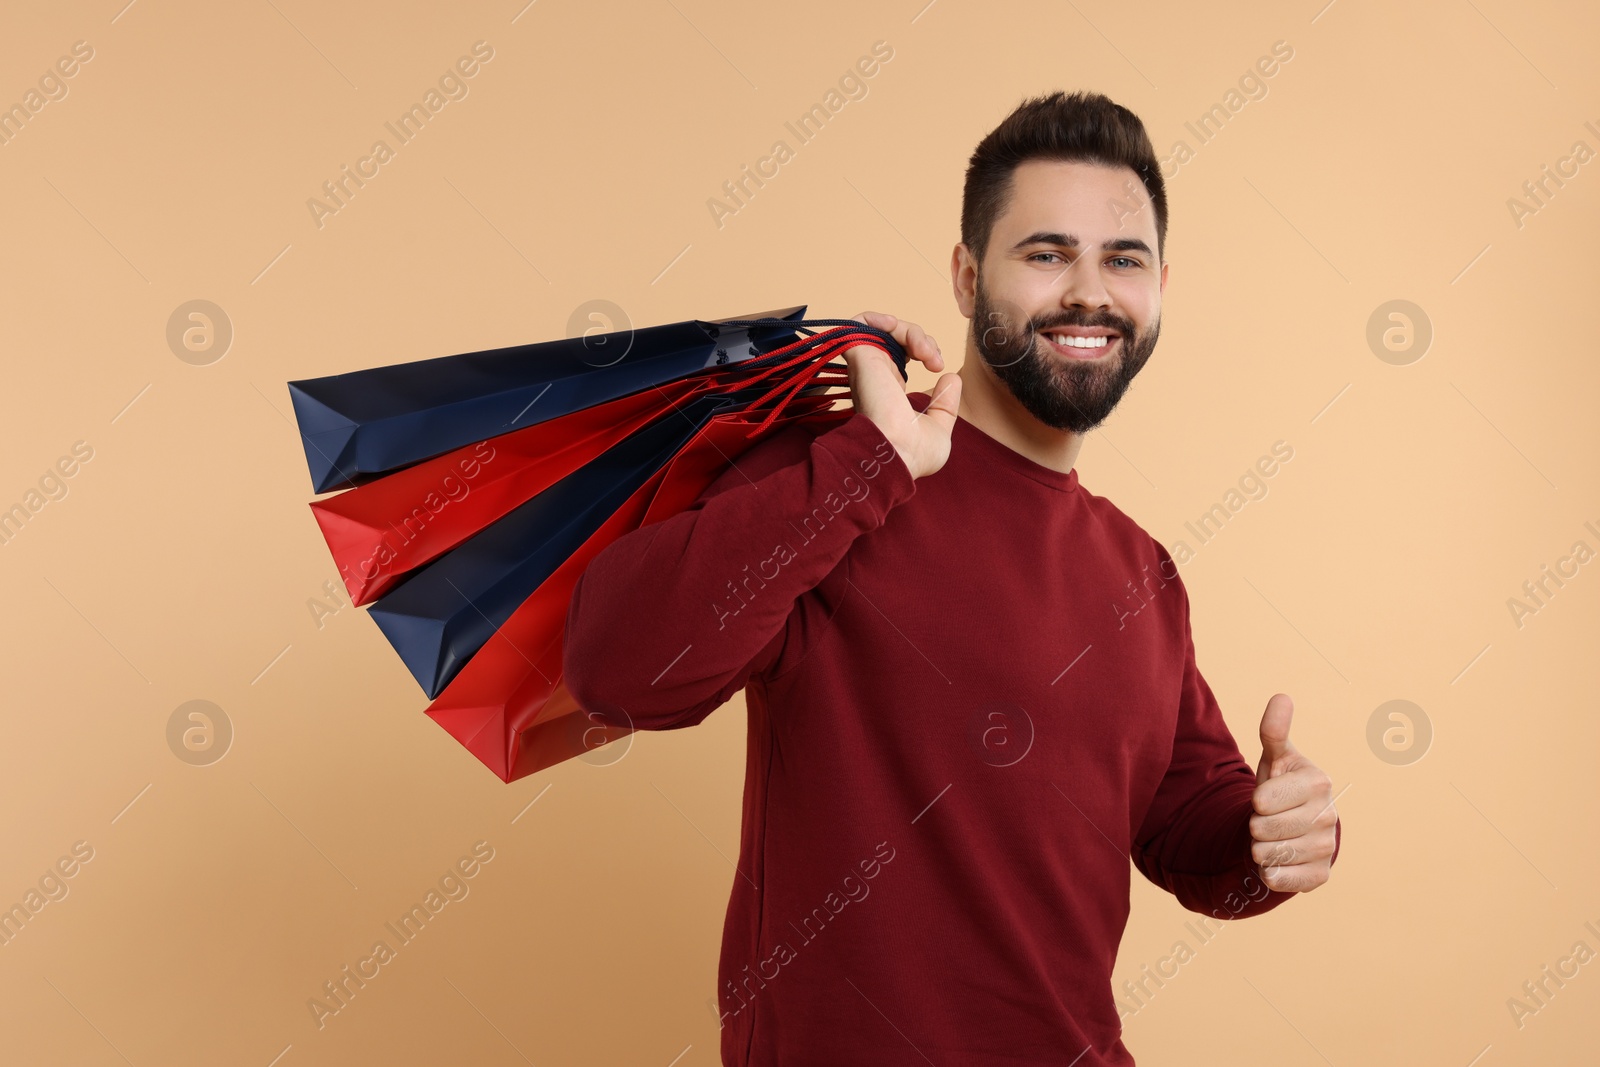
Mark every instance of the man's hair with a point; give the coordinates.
(1084, 127)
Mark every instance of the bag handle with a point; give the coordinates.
(832, 328)
(813, 350)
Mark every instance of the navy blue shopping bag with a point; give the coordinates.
(368, 422)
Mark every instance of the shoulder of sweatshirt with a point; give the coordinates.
(1144, 558)
(791, 445)
(1144, 554)
(787, 446)
(1128, 529)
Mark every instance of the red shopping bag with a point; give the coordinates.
(507, 706)
(381, 531)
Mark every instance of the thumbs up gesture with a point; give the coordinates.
(1292, 831)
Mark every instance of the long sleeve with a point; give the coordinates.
(669, 621)
(1194, 841)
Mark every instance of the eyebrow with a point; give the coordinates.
(1070, 240)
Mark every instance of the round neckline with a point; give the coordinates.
(1003, 454)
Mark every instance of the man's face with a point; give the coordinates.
(1071, 261)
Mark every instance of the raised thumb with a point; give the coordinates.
(1275, 742)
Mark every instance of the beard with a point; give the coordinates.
(1074, 395)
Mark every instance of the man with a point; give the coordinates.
(971, 682)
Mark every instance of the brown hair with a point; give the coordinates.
(1082, 126)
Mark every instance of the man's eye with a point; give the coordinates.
(1125, 261)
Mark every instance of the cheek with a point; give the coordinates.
(1026, 294)
(1139, 300)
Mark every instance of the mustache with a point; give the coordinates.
(1110, 322)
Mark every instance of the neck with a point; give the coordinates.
(987, 404)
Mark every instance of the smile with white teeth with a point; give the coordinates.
(1079, 342)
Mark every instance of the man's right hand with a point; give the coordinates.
(922, 438)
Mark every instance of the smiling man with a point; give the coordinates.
(972, 688)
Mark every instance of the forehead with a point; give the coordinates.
(1090, 200)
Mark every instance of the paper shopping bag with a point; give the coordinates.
(366, 422)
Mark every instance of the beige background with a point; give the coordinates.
(182, 562)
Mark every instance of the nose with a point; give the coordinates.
(1082, 286)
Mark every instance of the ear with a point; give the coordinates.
(1164, 267)
(964, 279)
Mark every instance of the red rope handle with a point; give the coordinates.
(819, 356)
(811, 375)
(829, 341)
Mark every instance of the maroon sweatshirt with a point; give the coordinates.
(972, 699)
